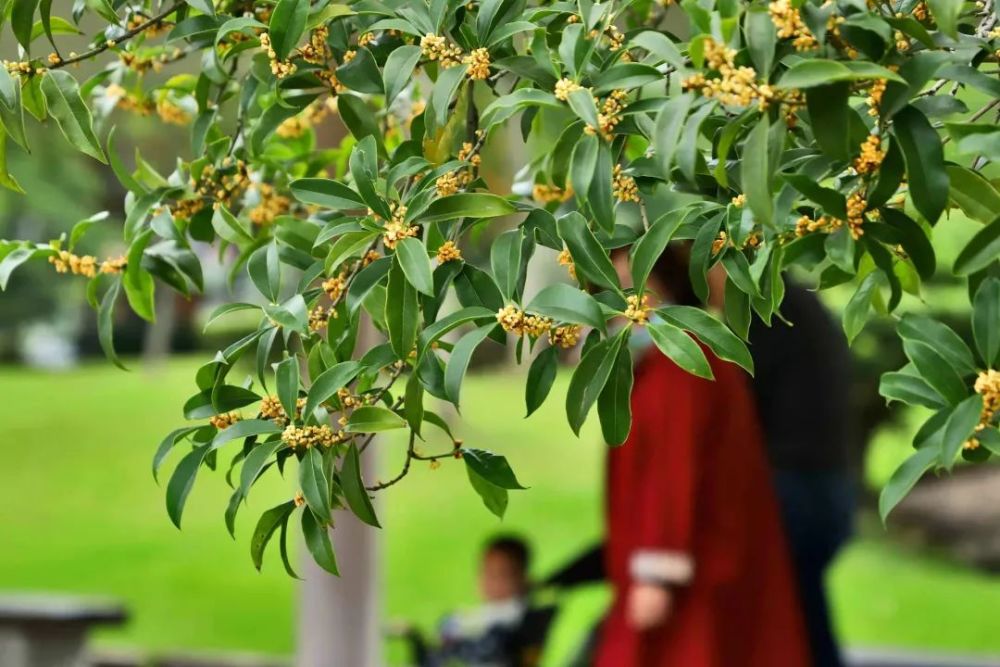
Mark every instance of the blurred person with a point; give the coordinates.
(504, 631)
(695, 551)
(802, 387)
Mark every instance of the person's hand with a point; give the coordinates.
(648, 606)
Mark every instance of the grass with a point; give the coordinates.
(79, 512)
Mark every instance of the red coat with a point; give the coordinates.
(690, 500)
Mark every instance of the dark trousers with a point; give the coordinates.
(818, 512)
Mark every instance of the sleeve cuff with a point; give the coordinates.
(670, 567)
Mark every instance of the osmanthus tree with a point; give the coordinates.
(804, 135)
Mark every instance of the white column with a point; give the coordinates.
(340, 617)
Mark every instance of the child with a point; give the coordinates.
(502, 631)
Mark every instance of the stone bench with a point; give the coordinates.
(50, 630)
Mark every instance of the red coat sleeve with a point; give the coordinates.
(666, 484)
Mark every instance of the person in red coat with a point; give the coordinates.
(695, 553)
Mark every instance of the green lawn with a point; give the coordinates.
(79, 512)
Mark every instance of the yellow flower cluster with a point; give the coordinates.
(637, 310)
(516, 321)
(856, 205)
(296, 126)
(566, 336)
(447, 184)
(610, 114)
(788, 21)
(299, 499)
(334, 287)
(366, 39)
(316, 51)
(739, 201)
(871, 156)
(546, 194)
(479, 64)
(624, 186)
(874, 99)
(735, 86)
(468, 151)
(85, 265)
(436, 47)
(225, 420)
(224, 185)
(902, 41)
(279, 68)
(719, 243)
(271, 205)
(319, 317)
(566, 259)
(171, 113)
(152, 30)
(128, 102)
(305, 437)
(348, 400)
(988, 386)
(564, 87)
(448, 252)
(139, 63)
(396, 229)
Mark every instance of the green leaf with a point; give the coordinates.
(467, 205)
(265, 271)
(858, 309)
(361, 73)
(811, 72)
(416, 265)
(829, 119)
(452, 321)
(647, 250)
(66, 106)
(287, 378)
(244, 429)
(287, 25)
(589, 257)
(505, 260)
(909, 389)
(581, 101)
(625, 76)
(494, 498)
(105, 323)
(328, 383)
(22, 18)
(761, 38)
(229, 227)
(925, 169)
(565, 303)
(589, 378)
(444, 91)
(680, 348)
(214, 401)
(458, 363)
(360, 119)
(614, 405)
(137, 281)
(905, 477)
(755, 173)
(973, 193)
(167, 444)
(976, 139)
(667, 132)
(354, 488)
(583, 165)
(182, 481)
(203, 6)
(292, 314)
(317, 539)
(315, 484)
(13, 260)
(402, 312)
(326, 193)
(723, 342)
(398, 70)
(981, 251)
(936, 371)
(373, 419)
(941, 337)
(268, 523)
(946, 13)
(541, 376)
(914, 240)
(960, 427)
(985, 321)
(6, 180)
(491, 467)
(255, 463)
(363, 164)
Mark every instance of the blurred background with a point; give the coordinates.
(81, 514)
